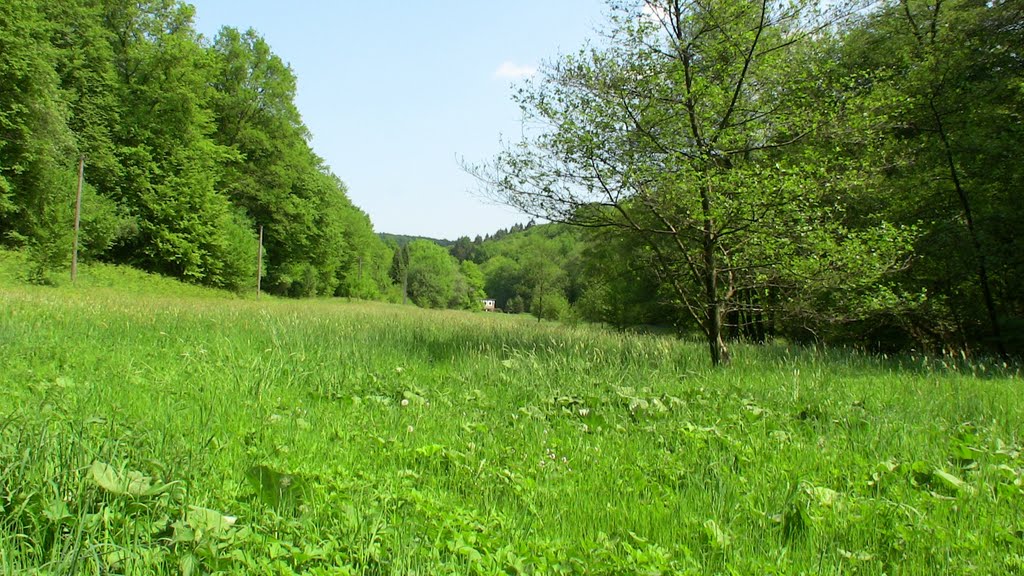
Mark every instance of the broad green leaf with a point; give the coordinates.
(208, 521)
(137, 484)
(115, 558)
(951, 482)
(188, 565)
(825, 497)
(57, 511)
(718, 536)
(106, 477)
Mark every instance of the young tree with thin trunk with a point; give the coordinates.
(687, 129)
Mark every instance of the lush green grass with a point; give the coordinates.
(107, 278)
(191, 432)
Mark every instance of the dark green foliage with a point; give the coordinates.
(943, 84)
(49, 239)
(559, 272)
(620, 290)
(502, 275)
(425, 273)
(465, 249)
(84, 61)
(239, 251)
(170, 164)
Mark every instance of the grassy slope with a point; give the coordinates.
(363, 438)
(107, 279)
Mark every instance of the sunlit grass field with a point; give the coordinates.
(150, 428)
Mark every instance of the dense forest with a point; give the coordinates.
(828, 172)
(189, 144)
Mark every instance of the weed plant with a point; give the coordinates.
(149, 430)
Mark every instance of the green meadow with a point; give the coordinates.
(151, 428)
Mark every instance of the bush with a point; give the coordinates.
(550, 306)
(102, 224)
(237, 253)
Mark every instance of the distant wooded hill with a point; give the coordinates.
(403, 240)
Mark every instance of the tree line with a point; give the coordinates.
(838, 172)
(190, 144)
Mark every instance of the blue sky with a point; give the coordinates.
(396, 92)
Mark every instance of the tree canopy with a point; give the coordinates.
(190, 145)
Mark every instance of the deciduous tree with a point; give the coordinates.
(684, 128)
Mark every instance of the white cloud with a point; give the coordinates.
(654, 14)
(509, 69)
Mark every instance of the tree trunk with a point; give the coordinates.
(714, 314)
(713, 329)
(979, 252)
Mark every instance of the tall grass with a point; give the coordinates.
(150, 431)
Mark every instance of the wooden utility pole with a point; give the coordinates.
(259, 264)
(78, 214)
(405, 273)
